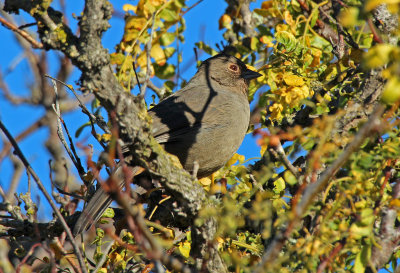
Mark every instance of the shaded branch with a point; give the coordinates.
(87, 53)
(374, 125)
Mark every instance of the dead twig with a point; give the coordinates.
(148, 49)
(374, 124)
(47, 196)
(23, 33)
(70, 150)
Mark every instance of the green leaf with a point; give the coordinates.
(170, 85)
(362, 259)
(164, 72)
(208, 49)
(80, 129)
(169, 15)
(167, 38)
(314, 18)
(279, 185)
(289, 177)
(169, 51)
(287, 40)
(262, 12)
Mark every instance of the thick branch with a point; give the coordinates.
(87, 53)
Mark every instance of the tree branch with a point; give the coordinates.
(87, 53)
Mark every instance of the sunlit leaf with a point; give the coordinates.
(167, 38)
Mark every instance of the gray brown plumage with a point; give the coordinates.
(204, 122)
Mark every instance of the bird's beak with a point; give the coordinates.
(250, 74)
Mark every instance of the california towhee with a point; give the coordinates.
(203, 124)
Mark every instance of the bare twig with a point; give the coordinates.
(71, 152)
(144, 238)
(23, 33)
(104, 256)
(148, 49)
(93, 118)
(191, 7)
(9, 96)
(280, 153)
(3, 194)
(46, 194)
(7, 146)
(373, 125)
(18, 168)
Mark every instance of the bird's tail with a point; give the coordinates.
(99, 203)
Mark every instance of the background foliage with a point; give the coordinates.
(322, 197)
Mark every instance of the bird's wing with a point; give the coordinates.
(173, 118)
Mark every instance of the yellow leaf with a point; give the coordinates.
(205, 181)
(128, 7)
(276, 114)
(184, 248)
(267, 4)
(234, 158)
(146, 8)
(378, 55)
(106, 137)
(116, 258)
(142, 60)
(266, 40)
(316, 58)
(157, 53)
(371, 4)
(395, 203)
(391, 94)
(327, 97)
(157, 3)
(263, 149)
(281, 27)
(251, 67)
(293, 80)
(135, 22)
(348, 17)
(224, 21)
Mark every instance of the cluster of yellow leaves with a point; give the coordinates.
(289, 89)
(294, 59)
(145, 22)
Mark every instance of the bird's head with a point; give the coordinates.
(228, 71)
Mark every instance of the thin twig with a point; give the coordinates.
(192, 6)
(99, 122)
(70, 150)
(32, 128)
(46, 194)
(280, 153)
(18, 168)
(7, 93)
(374, 124)
(104, 256)
(23, 33)
(148, 49)
(3, 194)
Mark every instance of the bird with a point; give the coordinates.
(203, 124)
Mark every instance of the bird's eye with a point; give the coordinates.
(233, 67)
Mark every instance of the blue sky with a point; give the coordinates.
(17, 118)
(201, 22)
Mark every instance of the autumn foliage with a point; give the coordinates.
(324, 193)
